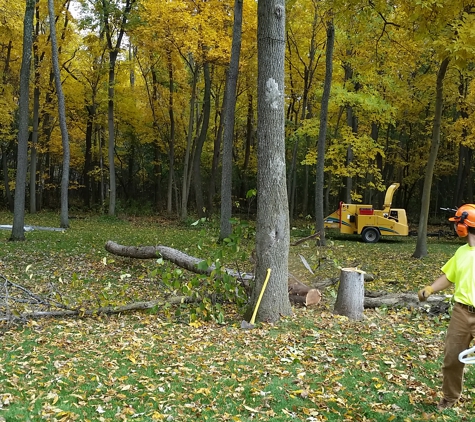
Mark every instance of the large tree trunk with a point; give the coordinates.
(421, 246)
(272, 227)
(18, 232)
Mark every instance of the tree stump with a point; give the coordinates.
(350, 298)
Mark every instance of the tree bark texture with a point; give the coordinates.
(113, 52)
(350, 298)
(197, 179)
(229, 105)
(36, 117)
(111, 129)
(179, 258)
(171, 142)
(64, 216)
(23, 118)
(191, 122)
(322, 134)
(272, 228)
(421, 246)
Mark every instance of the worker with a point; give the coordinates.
(459, 271)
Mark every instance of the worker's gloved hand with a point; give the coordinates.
(425, 293)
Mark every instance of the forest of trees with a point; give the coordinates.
(144, 83)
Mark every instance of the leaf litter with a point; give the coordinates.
(313, 366)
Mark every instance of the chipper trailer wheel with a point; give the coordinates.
(370, 235)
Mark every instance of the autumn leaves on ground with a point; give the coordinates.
(156, 365)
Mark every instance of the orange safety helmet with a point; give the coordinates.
(463, 219)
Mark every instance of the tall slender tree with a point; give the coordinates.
(64, 216)
(421, 246)
(114, 45)
(18, 228)
(322, 134)
(229, 105)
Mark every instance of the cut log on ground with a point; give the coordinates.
(302, 294)
(298, 291)
(403, 300)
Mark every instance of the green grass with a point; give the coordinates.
(146, 366)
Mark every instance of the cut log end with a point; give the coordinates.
(313, 297)
(304, 295)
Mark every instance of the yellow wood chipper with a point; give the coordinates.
(369, 222)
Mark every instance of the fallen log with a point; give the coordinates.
(105, 310)
(406, 300)
(179, 258)
(311, 298)
(298, 291)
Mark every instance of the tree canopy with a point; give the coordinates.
(164, 141)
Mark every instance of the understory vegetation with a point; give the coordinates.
(169, 363)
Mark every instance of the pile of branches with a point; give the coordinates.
(18, 304)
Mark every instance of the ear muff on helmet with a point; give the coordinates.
(463, 219)
(460, 227)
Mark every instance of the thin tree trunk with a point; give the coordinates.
(171, 142)
(322, 135)
(351, 121)
(197, 180)
(421, 246)
(292, 183)
(229, 105)
(33, 151)
(305, 190)
(36, 112)
(6, 148)
(113, 53)
(6, 177)
(111, 128)
(91, 111)
(249, 143)
(64, 216)
(18, 231)
(191, 122)
(216, 157)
